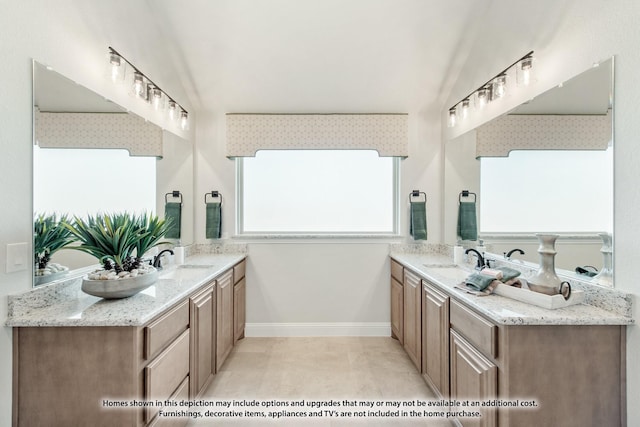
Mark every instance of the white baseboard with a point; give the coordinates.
(337, 329)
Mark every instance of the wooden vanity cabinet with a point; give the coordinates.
(167, 342)
(203, 339)
(412, 311)
(64, 376)
(575, 374)
(224, 317)
(435, 339)
(239, 301)
(474, 375)
(397, 301)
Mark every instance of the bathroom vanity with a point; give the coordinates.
(570, 362)
(81, 360)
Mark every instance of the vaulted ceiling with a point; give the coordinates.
(309, 55)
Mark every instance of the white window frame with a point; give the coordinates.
(394, 233)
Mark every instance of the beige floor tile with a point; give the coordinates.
(318, 370)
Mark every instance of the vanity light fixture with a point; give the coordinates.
(499, 86)
(184, 120)
(173, 110)
(139, 87)
(452, 117)
(523, 71)
(157, 98)
(116, 67)
(482, 97)
(493, 89)
(144, 88)
(464, 108)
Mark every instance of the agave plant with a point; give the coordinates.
(150, 230)
(49, 236)
(114, 238)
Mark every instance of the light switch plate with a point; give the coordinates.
(17, 257)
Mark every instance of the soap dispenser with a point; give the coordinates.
(481, 247)
(458, 254)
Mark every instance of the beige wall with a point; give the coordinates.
(285, 277)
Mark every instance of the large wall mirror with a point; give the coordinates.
(546, 166)
(90, 156)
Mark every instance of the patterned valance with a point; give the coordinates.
(543, 132)
(385, 133)
(98, 130)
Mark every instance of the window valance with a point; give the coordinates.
(385, 133)
(543, 132)
(98, 130)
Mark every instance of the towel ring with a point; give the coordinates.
(417, 193)
(213, 194)
(174, 194)
(466, 193)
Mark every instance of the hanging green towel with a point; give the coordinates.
(467, 224)
(214, 220)
(418, 221)
(478, 282)
(172, 213)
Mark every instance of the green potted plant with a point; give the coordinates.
(49, 236)
(118, 241)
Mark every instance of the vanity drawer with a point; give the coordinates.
(165, 329)
(165, 373)
(397, 271)
(482, 333)
(238, 271)
(181, 395)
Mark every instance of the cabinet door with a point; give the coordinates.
(435, 339)
(412, 318)
(239, 309)
(473, 377)
(224, 317)
(397, 315)
(203, 321)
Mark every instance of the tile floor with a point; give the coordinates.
(321, 369)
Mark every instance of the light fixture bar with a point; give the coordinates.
(112, 51)
(487, 88)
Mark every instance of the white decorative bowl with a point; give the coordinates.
(119, 288)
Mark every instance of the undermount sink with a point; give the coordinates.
(184, 272)
(449, 271)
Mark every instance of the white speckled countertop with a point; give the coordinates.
(64, 304)
(508, 311)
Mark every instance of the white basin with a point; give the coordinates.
(185, 272)
(449, 271)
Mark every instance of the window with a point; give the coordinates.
(89, 181)
(547, 191)
(317, 192)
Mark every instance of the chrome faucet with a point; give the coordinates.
(157, 259)
(508, 254)
(480, 265)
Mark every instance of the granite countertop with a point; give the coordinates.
(507, 311)
(64, 304)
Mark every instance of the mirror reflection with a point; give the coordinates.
(546, 166)
(90, 156)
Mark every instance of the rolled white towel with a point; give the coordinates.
(496, 274)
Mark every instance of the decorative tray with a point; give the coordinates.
(550, 302)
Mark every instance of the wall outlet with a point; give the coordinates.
(17, 257)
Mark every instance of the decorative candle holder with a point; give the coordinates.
(605, 276)
(546, 281)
